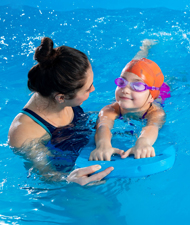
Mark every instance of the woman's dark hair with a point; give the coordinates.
(62, 69)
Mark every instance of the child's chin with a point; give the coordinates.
(125, 105)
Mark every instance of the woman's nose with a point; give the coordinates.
(92, 88)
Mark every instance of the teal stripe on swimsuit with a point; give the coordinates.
(37, 121)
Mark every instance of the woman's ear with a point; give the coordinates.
(60, 98)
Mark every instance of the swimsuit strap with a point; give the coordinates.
(120, 115)
(43, 123)
(143, 117)
(47, 126)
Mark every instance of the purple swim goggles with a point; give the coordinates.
(135, 86)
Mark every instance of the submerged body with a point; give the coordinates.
(65, 142)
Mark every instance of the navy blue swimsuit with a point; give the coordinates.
(67, 141)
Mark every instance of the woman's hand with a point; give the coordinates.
(81, 176)
(142, 149)
(104, 154)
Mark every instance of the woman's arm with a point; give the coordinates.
(30, 143)
(38, 154)
(104, 149)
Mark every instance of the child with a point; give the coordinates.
(137, 87)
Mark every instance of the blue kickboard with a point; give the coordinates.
(131, 167)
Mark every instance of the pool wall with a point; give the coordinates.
(64, 5)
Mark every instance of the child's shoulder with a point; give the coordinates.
(112, 110)
(156, 108)
(155, 115)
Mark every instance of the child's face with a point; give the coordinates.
(132, 100)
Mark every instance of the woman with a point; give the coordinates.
(51, 119)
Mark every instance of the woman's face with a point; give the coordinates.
(84, 92)
(129, 99)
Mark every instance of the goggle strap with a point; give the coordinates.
(153, 88)
(126, 83)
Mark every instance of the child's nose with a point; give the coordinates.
(126, 89)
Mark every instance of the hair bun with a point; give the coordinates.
(45, 52)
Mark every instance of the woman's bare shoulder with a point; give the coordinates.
(23, 129)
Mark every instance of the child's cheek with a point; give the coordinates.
(117, 94)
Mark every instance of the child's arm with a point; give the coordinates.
(143, 146)
(104, 149)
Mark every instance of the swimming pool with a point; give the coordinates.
(110, 37)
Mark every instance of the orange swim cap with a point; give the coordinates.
(148, 71)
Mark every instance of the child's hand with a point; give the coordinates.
(142, 149)
(104, 154)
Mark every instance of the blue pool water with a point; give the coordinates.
(110, 38)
